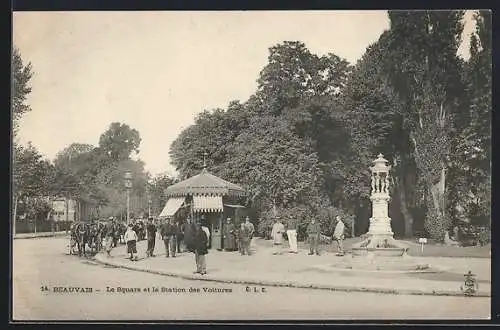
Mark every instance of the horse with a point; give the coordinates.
(81, 235)
(119, 230)
(73, 240)
(94, 237)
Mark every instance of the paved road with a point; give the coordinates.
(44, 262)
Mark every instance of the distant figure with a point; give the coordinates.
(338, 235)
(229, 236)
(313, 233)
(109, 238)
(179, 235)
(277, 236)
(200, 249)
(131, 241)
(291, 233)
(455, 233)
(151, 233)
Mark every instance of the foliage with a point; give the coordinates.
(429, 84)
(20, 88)
(472, 157)
(31, 173)
(119, 141)
(156, 191)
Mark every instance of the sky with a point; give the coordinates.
(156, 70)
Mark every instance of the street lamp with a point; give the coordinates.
(128, 186)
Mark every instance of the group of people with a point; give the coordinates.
(195, 238)
(171, 233)
(238, 237)
(192, 234)
(313, 234)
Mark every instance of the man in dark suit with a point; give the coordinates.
(201, 243)
(151, 231)
(168, 231)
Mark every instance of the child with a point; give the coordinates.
(131, 240)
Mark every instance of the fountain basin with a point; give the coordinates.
(379, 252)
(372, 264)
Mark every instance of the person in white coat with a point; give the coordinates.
(131, 240)
(277, 236)
(338, 235)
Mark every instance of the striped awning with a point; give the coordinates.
(173, 204)
(207, 204)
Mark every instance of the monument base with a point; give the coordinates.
(380, 245)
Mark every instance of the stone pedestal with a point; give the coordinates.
(380, 238)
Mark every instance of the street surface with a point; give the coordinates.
(44, 264)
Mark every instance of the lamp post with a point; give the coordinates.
(128, 186)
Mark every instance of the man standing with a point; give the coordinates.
(277, 236)
(151, 232)
(168, 236)
(229, 241)
(338, 235)
(251, 230)
(200, 249)
(291, 232)
(244, 235)
(313, 232)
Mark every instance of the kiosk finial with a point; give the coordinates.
(205, 154)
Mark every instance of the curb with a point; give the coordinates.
(98, 258)
(41, 236)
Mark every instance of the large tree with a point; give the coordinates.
(119, 141)
(276, 167)
(375, 116)
(425, 72)
(471, 159)
(213, 133)
(32, 176)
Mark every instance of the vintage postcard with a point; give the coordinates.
(251, 165)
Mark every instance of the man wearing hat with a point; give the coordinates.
(151, 233)
(168, 236)
(251, 230)
(229, 238)
(200, 248)
(313, 233)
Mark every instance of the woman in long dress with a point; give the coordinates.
(277, 236)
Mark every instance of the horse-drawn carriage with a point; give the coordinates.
(86, 234)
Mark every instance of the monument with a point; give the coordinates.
(380, 240)
(379, 252)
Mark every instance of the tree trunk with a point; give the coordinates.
(408, 218)
(66, 204)
(14, 218)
